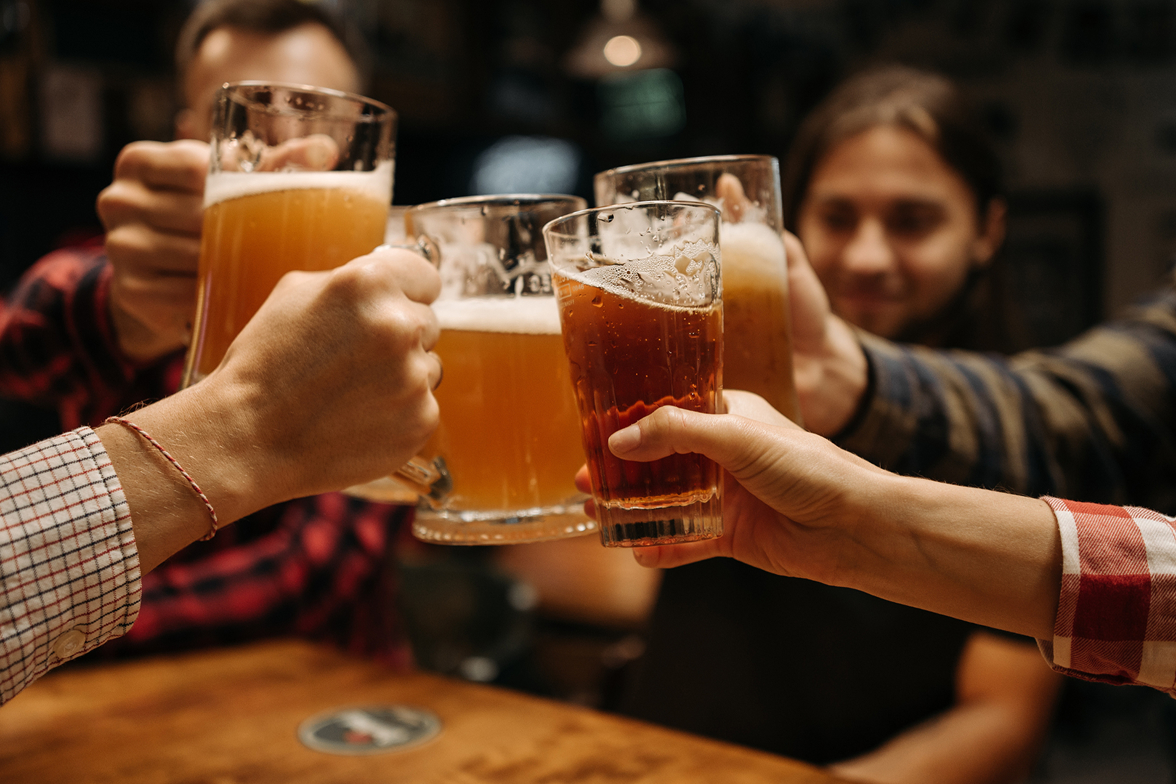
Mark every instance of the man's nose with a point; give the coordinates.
(869, 252)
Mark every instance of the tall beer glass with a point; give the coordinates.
(300, 178)
(640, 303)
(509, 434)
(756, 314)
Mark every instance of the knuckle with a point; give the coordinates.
(132, 157)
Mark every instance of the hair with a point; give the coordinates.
(924, 103)
(264, 17)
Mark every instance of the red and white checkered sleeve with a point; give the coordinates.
(1117, 610)
(69, 566)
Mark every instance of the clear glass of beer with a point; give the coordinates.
(757, 320)
(300, 178)
(640, 296)
(509, 433)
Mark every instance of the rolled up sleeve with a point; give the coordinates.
(1116, 617)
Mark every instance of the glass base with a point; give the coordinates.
(441, 526)
(620, 527)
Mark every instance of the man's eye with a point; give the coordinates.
(914, 221)
(838, 220)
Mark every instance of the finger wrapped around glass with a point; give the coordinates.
(757, 321)
(641, 308)
(508, 436)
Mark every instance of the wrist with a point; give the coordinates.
(872, 524)
(206, 429)
(830, 401)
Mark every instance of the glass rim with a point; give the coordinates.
(383, 110)
(681, 163)
(631, 205)
(498, 200)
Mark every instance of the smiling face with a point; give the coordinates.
(893, 231)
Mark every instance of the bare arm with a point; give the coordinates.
(797, 505)
(1005, 698)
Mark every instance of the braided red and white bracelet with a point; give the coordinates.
(208, 504)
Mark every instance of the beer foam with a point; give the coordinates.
(658, 280)
(223, 186)
(751, 249)
(513, 315)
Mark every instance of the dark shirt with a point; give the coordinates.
(775, 663)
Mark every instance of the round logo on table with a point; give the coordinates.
(369, 730)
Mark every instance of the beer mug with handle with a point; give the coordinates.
(299, 178)
(757, 316)
(509, 435)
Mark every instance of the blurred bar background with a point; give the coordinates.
(524, 95)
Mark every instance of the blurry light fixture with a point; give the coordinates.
(619, 39)
(622, 50)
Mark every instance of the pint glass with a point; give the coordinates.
(509, 434)
(757, 321)
(640, 304)
(300, 178)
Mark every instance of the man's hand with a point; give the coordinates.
(331, 381)
(784, 492)
(152, 213)
(328, 386)
(828, 362)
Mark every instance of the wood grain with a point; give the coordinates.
(230, 716)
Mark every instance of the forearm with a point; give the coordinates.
(832, 380)
(1091, 421)
(980, 743)
(200, 430)
(982, 556)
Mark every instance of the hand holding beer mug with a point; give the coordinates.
(641, 308)
(757, 322)
(508, 437)
(299, 178)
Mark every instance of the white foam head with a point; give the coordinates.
(686, 280)
(752, 250)
(222, 186)
(513, 315)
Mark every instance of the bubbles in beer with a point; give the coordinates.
(688, 278)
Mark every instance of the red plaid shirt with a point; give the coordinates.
(69, 568)
(1117, 611)
(316, 567)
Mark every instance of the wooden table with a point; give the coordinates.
(230, 717)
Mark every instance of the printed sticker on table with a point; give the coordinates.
(369, 730)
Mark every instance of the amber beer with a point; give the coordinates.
(509, 429)
(757, 341)
(756, 310)
(629, 356)
(259, 226)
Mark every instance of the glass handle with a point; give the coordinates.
(428, 478)
(425, 246)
